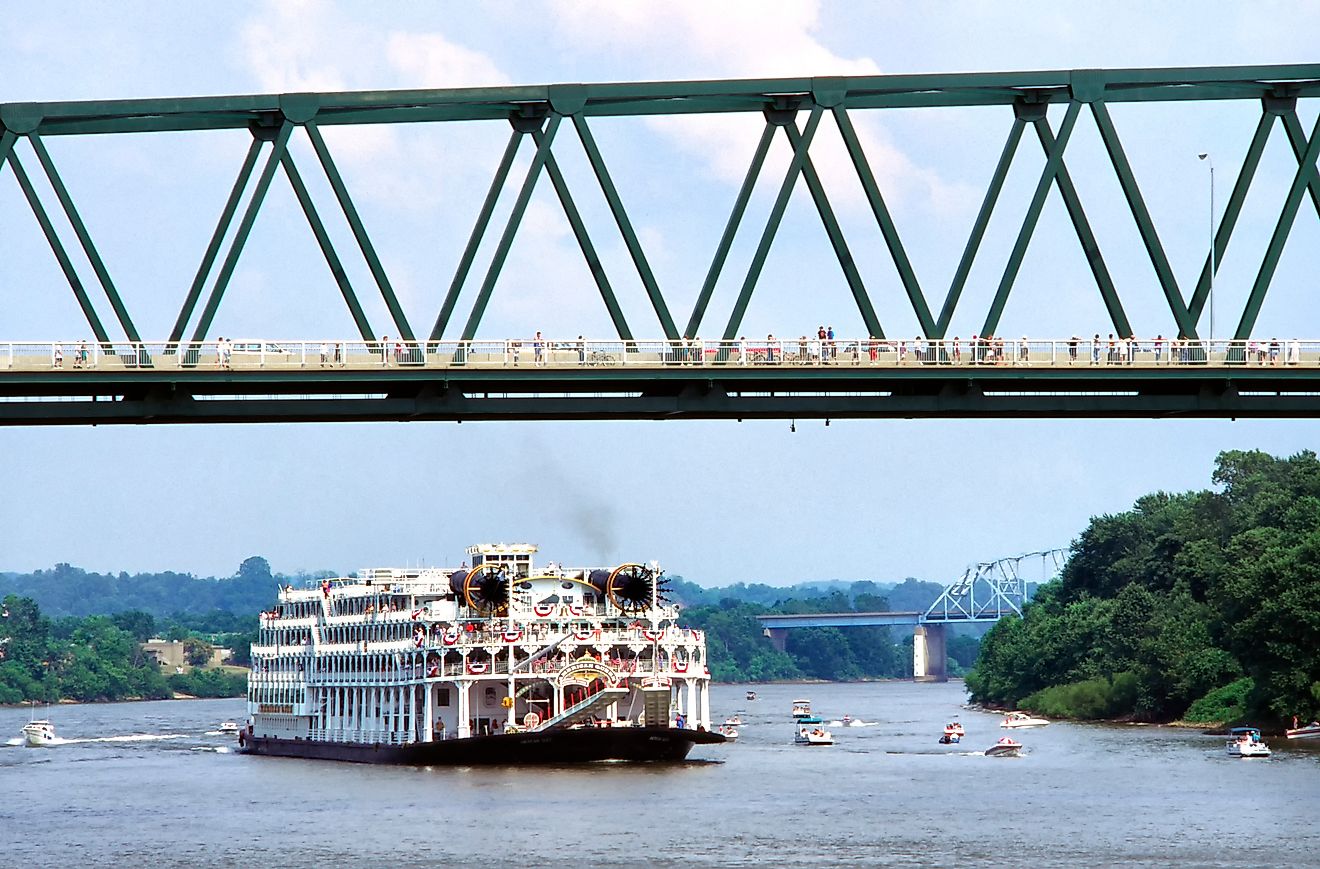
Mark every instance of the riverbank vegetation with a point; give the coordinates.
(1202, 606)
(84, 647)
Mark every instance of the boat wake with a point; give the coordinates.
(217, 749)
(128, 737)
(855, 722)
(17, 740)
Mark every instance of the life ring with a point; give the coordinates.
(513, 636)
(652, 635)
(450, 637)
(680, 666)
(476, 667)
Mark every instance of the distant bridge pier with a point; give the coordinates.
(930, 661)
(778, 638)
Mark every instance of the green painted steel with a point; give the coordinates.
(217, 238)
(625, 227)
(536, 111)
(511, 228)
(182, 395)
(730, 230)
(359, 231)
(1306, 173)
(278, 145)
(772, 223)
(57, 247)
(327, 247)
(477, 234)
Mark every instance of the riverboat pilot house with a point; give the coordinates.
(498, 662)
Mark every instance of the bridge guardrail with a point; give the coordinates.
(252, 355)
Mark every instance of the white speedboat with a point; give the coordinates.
(751, 695)
(1310, 731)
(953, 733)
(801, 708)
(733, 721)
(728, 731)
(1007, 746)
(228, 727)
(38, 733)
(1022, 719)
(1246, 742)
(811, 731)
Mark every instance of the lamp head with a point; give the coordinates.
(1202, 156)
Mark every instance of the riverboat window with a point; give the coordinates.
(442, 697)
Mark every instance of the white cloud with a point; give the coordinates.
(748, 39)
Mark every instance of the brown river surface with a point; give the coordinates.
(153, 784)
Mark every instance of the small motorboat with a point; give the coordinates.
(1246, 742)
(1310, 731)
(801, 708)
(811, 731)
(38, 733)
(728, 731)
(1007, 746)
(953, 733)
(733, 721)
(1022, 719)
(228, 727)
(751, 695)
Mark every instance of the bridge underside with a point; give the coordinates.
(148, 396)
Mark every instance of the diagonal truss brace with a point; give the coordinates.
(1302, 180)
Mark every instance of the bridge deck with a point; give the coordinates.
(121, 383)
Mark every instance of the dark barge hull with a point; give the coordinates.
(582, 745)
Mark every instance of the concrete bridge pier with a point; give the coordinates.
(778, 638)
(930, 663)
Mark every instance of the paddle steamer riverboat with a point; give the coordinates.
(500, 662)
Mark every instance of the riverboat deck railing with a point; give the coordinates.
(238, 356)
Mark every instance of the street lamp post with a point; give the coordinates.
(1214, 266)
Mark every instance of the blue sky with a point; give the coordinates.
(716, 502)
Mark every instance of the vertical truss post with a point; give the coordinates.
(625, 226)
(511, 227)
(1084, 234)
(478, 232)
(1306, 171)
(584, 242)
(327, 246)
(1132, 191)
(730, 230)
(978, 228)
(212, 249)
(837, 241)
(57, 247)
(1231, 211)
(84, 237)
(281, 141)
(886, 222)
(773, 221)
(359, 231)
(1034, 112)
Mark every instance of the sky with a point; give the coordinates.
(717, 502)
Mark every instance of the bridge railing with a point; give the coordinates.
(261, 354)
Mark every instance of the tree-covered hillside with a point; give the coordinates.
(1203, 605)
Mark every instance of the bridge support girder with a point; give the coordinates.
(930, 662)
(778, 638)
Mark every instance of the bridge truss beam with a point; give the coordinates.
(797, 106)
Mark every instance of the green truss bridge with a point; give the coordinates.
(450, 368)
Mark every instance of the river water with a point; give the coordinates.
(152, 784)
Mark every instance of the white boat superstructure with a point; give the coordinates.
(801, 708)
(416, 657)
(811, 731)
(38, 733)
(1022, 719)
(1246, 742)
